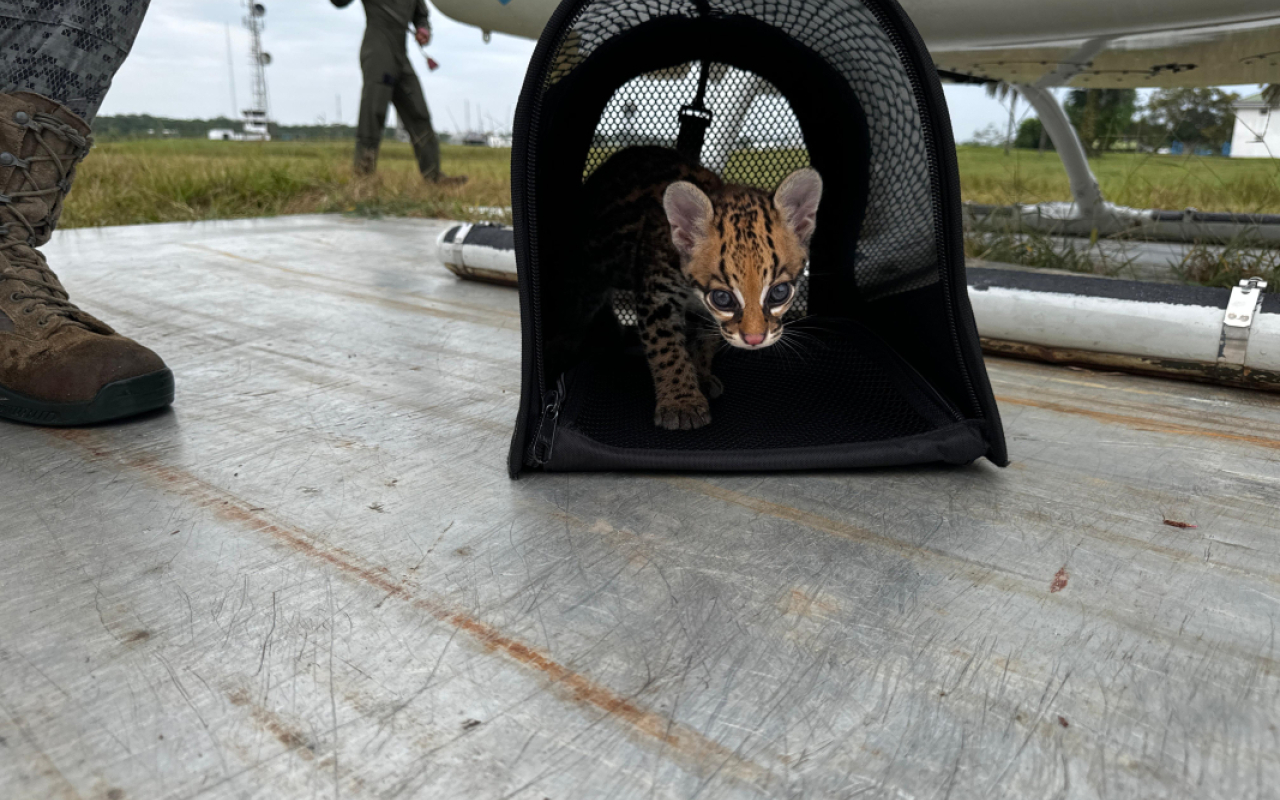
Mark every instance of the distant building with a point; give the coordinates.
(256, 129)
(1257, 130)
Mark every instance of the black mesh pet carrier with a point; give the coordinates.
(884, 367)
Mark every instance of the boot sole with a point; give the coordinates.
(117, 400)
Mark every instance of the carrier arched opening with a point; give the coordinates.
(885, 367)
(752, 137)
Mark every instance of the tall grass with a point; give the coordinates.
(159, 181)
(1139, 180)
(1042, 251)
(1227, 265)
(178, 180)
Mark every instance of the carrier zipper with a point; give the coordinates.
(528, 117)
(890, 27)
(544, 441)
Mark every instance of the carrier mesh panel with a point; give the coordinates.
(898, 236)
(819, 390)
(646, 111)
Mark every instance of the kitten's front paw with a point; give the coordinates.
(682, 415)
(712, 387)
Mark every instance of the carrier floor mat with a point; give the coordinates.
(834, 389)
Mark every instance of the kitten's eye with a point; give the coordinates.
(722, 300)
(780, 293)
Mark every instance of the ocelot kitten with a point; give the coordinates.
(706, 261)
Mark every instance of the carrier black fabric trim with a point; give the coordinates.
(954, 278)
(528, 114)
(957, 444)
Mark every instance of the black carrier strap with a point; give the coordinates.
(695, 117)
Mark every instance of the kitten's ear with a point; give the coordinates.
(689, 212)
(797, 199)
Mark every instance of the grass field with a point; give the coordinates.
(987, 175)
(125, 183)
(160, 181)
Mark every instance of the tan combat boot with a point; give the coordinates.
(58, 365)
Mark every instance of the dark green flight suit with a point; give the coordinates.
(389, 78)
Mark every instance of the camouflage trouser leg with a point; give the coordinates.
(66, 50)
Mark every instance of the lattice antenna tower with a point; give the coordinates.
(258, 61)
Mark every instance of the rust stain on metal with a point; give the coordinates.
(1063, 721)
(1143, 423)
(1059, 581)
(288, 735)
(977, 571)
(133, 637)
(1173, 523)
(496, 276)
(685, 744)
(845, 530)
(810, 605)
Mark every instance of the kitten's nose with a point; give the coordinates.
(753, 339)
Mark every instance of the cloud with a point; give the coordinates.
(178, 68)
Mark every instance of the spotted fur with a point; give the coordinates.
(684, 242)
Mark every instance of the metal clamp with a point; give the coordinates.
(459, 238)
(1242, 310)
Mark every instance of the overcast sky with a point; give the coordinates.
(179, 67)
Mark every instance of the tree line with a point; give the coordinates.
(1108, 119)
(1105, 118)
(146, 126)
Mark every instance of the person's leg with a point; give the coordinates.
(375, 96)
(411, 105)
(66, 50)
(58, 364)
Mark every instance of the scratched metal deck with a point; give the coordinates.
(313, 578)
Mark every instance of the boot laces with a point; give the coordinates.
(48, 296)
(21, 253)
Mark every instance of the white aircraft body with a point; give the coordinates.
(1084, 43)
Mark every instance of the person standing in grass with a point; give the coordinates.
(58, 364)
(389, 78)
